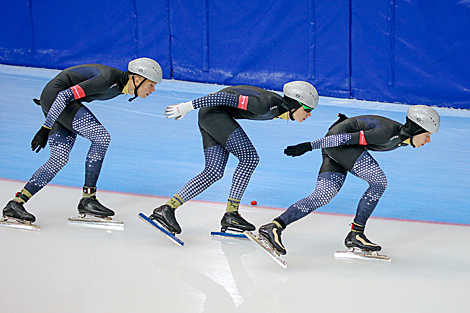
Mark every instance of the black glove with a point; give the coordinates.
(40, 140)
(299, 149)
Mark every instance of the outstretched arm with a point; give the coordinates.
(325, 142)
(178, 111)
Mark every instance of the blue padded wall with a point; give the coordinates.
(413, 52)
(60, 34)
(263, 45)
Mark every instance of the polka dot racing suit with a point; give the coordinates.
(345, 149)
(61, 101)
(222, 135)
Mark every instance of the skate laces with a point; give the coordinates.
(21, 198)
(357, 228)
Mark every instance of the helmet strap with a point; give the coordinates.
(291, 113)
(136, 87)
(290, 105)
(411, 142)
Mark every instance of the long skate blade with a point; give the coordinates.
(362, 255)
(172, 237)
(96, 222)
(266, 247)
(16, 223)
(228, 234)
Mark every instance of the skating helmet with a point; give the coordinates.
(147, 68)
(425, 117)
(303, 92)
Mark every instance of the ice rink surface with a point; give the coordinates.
(422, 221)
(66, 268)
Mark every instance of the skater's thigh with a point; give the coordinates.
(330, 165)
(344, 156)
(65, 119)
(216, 125)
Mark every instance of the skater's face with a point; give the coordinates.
(301, 114)
(421, 139)
(145, 89)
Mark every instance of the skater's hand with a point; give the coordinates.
(178, 111)
(299, 149)
(40, 140)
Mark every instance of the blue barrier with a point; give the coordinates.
(392, 51)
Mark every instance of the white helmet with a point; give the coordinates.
(147, 68)
(302, 92)
(425, 117)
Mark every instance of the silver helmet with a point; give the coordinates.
(147, 68)
(425, 117)
(303, 92)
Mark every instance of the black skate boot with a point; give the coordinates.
(356, 239)
(165, 214)
(93, 207)
(16, 210)
(272, 233)
(234, 221)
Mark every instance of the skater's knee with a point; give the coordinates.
(214, 173)
(324, 201)
(104, 138)
(379, 184)
(101, 142)
(255, 159)
(319, 201)
(58, 161)
(63, 161)
(324, 192)
(217, 175)
(384, 184)
(250, 159)
(98, 136)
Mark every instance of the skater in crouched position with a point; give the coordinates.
(66, 117)
(345, 149)
(222, 135)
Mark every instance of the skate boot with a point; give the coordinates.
(16, 210)
(357, 240)
(272, 233)
(165, 215)
(234, 221)
(91, 213)
(93, 207)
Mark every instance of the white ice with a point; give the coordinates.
(66, 268)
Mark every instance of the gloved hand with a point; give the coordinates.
(299, 149)
(178, 111)
(40, 140)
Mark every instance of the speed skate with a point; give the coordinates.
(162, 229)
(7, 221)
(267, 247)
(229, 233)
(90, 220)
(356, 253)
